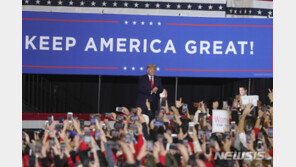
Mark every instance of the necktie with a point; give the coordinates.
(151, 82)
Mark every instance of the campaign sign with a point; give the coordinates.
(220, 120)
(109, 44)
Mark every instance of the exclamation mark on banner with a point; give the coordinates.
(252, 46)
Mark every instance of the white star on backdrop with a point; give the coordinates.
(235, 11)
(104, 3)
(133, 68)
(134, 22)
(136, 5)
(270, 12)
(158, 23)
(26, 1)
(157, 69)
(210, 7)
(93, 3)
(38, 2)
(240, 11)
(142, 22)
(124, 68)
(230, 10)
(259, 12)
(114, 4)
(60, 2)
(168, 6)
(71, 3)
(250, 11)
(48, 2)
(141, 68)
(151, 23)
(189, 6)
(220, 7)
(125, 4)
(178, 6)
(245, 11)
(126, 22)
(199, 6)
(81, 3)
(157, 5)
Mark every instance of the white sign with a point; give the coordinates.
(220, 120)
(251, 99)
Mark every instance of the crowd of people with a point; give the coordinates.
(173, 137)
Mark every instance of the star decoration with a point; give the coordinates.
(189, 6)
(142, 22)
(158, 23)
(126, 22)
(93, 3)
(146, 5)
(114, 4)
(240, 11)
(259, 12)
(235, 11)
(104, 3)
(38, 2)
(157, 5)
(210, 7)
(48, 2)
(71, 3)
(151, 23)
(270, 13)
(60, 2)
(26, 1)
(199, 6)
(81, 3)
(133, 68)
(136, 5)
(141, 68)
(157, 69)
(245, 11)
(134, 22)
(125, 4)
(124, 68)
(230, 10)
(220, 7)
(168, 6)
(250, 11)
(178, 6)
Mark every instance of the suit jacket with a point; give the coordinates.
(144, 89)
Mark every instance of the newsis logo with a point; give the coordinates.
(239, 155)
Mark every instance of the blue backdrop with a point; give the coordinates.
(72, 43)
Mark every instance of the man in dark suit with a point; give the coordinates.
(149, 87)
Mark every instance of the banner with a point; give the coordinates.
(220, 120)
(106, 44)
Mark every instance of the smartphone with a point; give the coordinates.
(108, 115)
(248, 138)
(270, 132)
(119, 109)
(51, 142)
(170, 117)
(38, 147)
(208, 135)
(184, 108)
(232, 126)
(134, 110)
(97, 134)
(69, 117)
(149, 145)
(50, 119)
(87, 136)
(160, 138)
(225, 103)
(119, 117)
(185, 142)
(212, 142)
(200, 134)
(173, 146)
(162, 101)
(134, 118)
(190, 126)
(260, 135)
(45, 124)
(63, 146)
